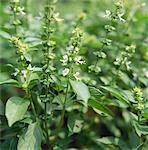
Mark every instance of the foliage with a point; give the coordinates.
(74, 79)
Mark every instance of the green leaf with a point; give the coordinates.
(9, 143)
(75, 124)
(28, 56)
(10, 82)
(32, 77)
(118, 93)
(108, 140)
(128, 95)
(31, 80)
(95, 104)
(16, 107)
(140, 129)
(31, 140)
(125, 78)
(81, 90)
(134, 140)
(145, 113)
(7, 68)
(4, 34)
(112, 141)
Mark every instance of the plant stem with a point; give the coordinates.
(62, 115)
(63, 111)
(32, 104)
(15, 26)
(45, 111)
(98, 58)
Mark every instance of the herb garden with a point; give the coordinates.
(74, 75)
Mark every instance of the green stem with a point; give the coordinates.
(139, 116)
(63, 111)
(32, 104)
(46, 115)
(62, 114)
(15, 26)
(98, 58)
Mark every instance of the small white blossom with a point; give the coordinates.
(70, 48)
(120, 17)
(77, 31)
(76, 49)
(107, 13)
(56, 17)
(21, 10)
(117, 61)
(16, 72)
(128, 65)
(76, 75)
(79, 60)
(30, 68)
(65, 72)
(64, 60)
(24, 73)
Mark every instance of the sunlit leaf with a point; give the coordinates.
(81, 90)
(75, 124)
(31, 140)
(16, 107)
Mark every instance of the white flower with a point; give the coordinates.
(16, 72)
(21, 10)
(24, 73)
(64, 60)
(30, 68)
(76, 75)
(70, 48)
(79, 60)
(120, 17)
(56, 17)
(65, 72)
(107, 13)
(76, 49)
(77, 31)
(128, 65)
(117, 61)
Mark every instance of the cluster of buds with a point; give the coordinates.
(109, 28)
(106, 41)
(94, 68)
(72, 57)
(21, 47)
(138, 95)
(22, 50)
(123, 60)
(17, 10)
(15, 7)
(51, 17)
(118, 14)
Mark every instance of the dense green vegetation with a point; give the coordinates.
(74, 75)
